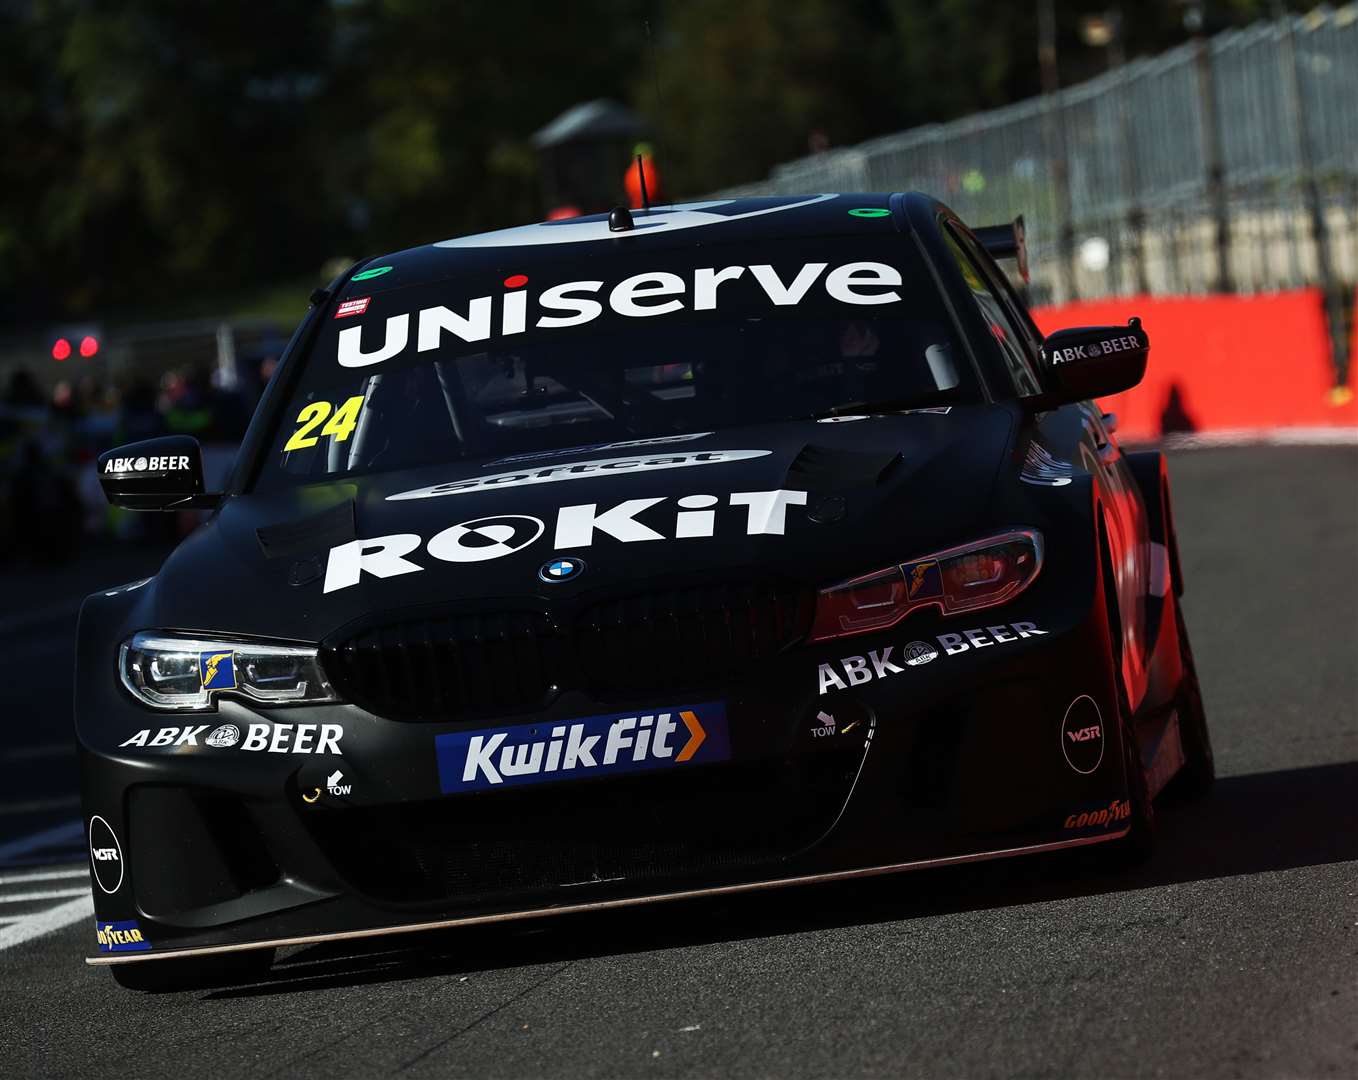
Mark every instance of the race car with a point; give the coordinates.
(633, 557)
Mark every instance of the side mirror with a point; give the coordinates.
(156, 474)
(1094, 361)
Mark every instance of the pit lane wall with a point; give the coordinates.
(1247, 364)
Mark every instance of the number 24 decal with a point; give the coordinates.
(341, 425)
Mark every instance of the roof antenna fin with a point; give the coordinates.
(641, 177)
(655, 82)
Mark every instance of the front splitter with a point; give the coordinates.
(602, 905)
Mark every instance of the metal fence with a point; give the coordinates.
(1226, 164)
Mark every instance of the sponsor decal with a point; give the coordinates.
(923, 579)
(1100, 816)
(156, 463)
(869, 212)
(563, 569)
(584, 747)
(106, 855)
(630, 444)
(644, 295)
(218, 670)
(571, 231)
(577, 526)
(1041, 468)
(368, 275)
(124, 936)
(580, 470)
(1082, 735)
(259, 738)
(880, 663)
(223, 736)
(1122, 343)
(352, 307)
(485, 538)
(918, 653)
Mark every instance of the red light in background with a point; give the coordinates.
(61, 349)
(88, 346)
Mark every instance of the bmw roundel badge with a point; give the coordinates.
(563, 569)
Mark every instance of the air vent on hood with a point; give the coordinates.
(827, 468)
(310, 534)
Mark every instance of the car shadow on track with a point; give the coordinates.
(1250, 824)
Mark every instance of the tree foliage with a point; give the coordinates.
(155, 148)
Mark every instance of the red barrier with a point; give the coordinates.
(1221, 362)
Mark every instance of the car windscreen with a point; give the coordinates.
(650, 344)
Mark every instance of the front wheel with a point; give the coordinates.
(196, 973)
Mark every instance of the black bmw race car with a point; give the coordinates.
(628, 558)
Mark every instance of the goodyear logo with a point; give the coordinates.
(587, 746)
(218, 670)
(120, 937)
(1100, 816)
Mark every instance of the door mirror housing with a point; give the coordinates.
(1093, 361)
(156, 474)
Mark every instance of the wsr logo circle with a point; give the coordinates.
(106, 855)
(1082, 735)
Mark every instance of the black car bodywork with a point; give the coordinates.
(649, 660)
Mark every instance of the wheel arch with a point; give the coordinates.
(1150, 470)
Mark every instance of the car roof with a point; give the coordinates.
(662, 228)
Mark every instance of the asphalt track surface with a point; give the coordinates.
(1233, 953)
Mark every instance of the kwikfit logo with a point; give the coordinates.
(588, 746)
(573, 303)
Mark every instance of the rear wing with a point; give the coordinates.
(1006, 242)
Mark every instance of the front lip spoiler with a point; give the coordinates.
(601, 905)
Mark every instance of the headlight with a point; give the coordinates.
(978, 575)
(169, 671)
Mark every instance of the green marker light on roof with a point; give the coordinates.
(870, 211)
(376, 271)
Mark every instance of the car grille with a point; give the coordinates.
(512, 844)
(454, 665)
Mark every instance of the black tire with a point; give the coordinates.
(197, 973)
(1199, 773)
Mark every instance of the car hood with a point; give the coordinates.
(856, 494)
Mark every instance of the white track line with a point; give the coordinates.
(45, 894)
(69, 833)
(24, 878)
(45, 922)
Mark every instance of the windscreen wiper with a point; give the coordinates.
(887, 405)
